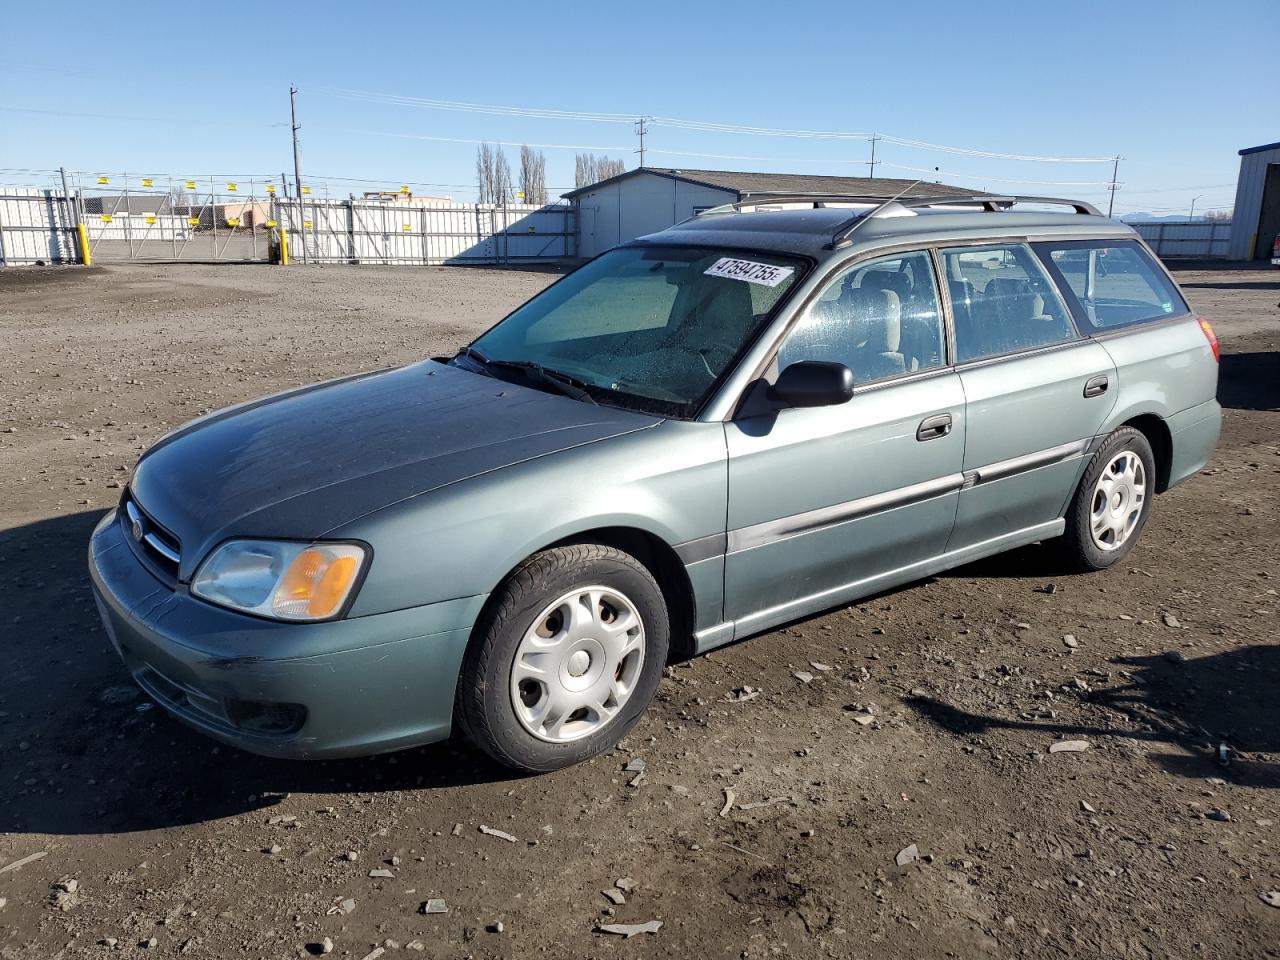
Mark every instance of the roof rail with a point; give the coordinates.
(889, 206)
(994, 203)
(991, 204)
(770, 199)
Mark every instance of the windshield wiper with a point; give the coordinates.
(560, 382)
(472, 354)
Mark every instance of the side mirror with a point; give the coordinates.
(813, 383)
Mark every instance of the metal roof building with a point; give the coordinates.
(1255, 221)
(650, 199)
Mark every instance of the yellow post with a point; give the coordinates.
(284, 247)
(86, 257)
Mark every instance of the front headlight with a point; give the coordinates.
(285, 581)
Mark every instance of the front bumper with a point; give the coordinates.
(340, 688)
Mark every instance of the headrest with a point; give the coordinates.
(878, 316)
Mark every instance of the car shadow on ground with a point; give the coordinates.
(1250, 381)
(1198, 704)
(1231, 285)
(79, 756)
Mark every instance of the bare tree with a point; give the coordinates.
(533, 175)
(484, 174)
(611, 168)
(1219, 216)
(589, 169)
(502, 189)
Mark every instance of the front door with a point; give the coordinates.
(830, 502)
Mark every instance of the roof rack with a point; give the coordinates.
(990, 203)
(887, 207)
(994, 203)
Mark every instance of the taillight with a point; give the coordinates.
(1212, 338)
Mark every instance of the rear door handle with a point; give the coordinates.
(1096, 386)
(933, 427)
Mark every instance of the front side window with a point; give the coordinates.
(1115, 282)
(1003, 302)
(648, 327)
(881, 319)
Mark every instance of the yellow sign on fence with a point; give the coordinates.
(271, 188)
(191, 184)
(104, 179)
(404, 190)
(306, 224)
(306, 189)
(148, 182)
(151, 219)
(231, 188)
(272, 223)
(193, 221)
(408, 227)
(233, 221)
(106, 218)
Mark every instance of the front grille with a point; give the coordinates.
(159, 546)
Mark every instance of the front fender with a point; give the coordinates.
(462, 540)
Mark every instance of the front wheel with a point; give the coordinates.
(1112, 503)
(566, 657)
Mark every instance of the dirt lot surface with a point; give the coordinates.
(1144, 845)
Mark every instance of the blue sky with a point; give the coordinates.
(1175, 88)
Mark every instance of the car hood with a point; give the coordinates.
(299, 464)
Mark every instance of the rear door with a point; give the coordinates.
(824, 501)
(1036, 392)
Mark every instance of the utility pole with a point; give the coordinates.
(297, 168)
(874, 138)
(1192, 214)
(641, 129)
(1115, 171)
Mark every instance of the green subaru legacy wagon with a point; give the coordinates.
(765, 411)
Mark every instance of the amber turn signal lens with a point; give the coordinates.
(317, 582)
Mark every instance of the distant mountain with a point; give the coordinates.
(1157, 218)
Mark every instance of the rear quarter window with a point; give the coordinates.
(1114, 283)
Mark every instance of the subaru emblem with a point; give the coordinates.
(136, 529)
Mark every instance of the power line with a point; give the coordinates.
(706, 126)
(459, 106)
(976, 176)
(421, 136)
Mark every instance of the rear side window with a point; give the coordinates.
(1003, 302)
(1115, 282)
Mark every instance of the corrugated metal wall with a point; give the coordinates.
(36, 225)
(1248, 206)
(637, 205)
(1193, 238)
(346, 231)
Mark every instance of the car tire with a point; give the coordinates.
(565, 657)
(1111, 503)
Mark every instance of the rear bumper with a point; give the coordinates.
(342, 688)
(1194, 434)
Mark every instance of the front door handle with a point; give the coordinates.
(1096, 386)
(933, 427)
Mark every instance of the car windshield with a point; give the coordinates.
(648, 327)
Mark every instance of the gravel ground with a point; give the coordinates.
(897, 799)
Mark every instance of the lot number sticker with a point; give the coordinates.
(765, 274)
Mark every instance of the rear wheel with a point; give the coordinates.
(1112, 503)
(566, 657)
